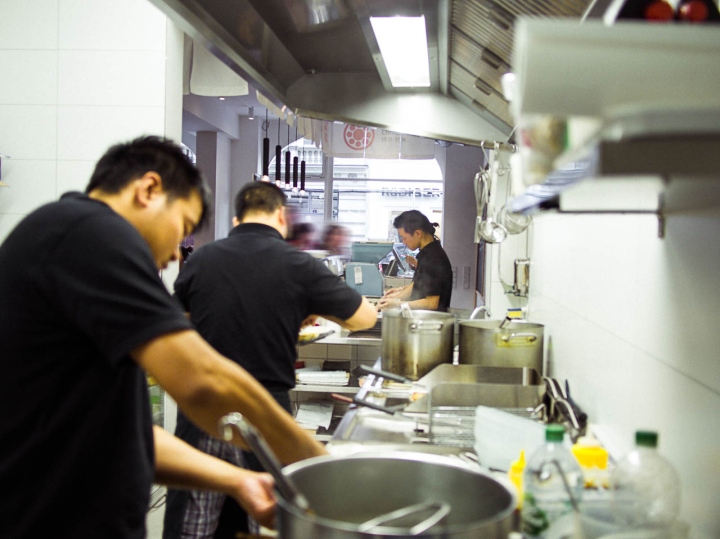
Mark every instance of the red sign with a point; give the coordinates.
(358, 138)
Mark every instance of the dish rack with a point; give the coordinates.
(453, 405)
(452, 426)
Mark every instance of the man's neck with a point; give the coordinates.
(269, 219)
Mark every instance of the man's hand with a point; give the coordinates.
(309, 321)
(388, 303)
(255, 494)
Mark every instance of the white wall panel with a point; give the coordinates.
(111, 25)
(127, 78)
(32, 183)
(73, 175)
(85, 133)
(681, 321)
(631, 320)
(29, 24)
(28, 132)
(28, 77)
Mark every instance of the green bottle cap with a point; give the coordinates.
(646, 438)
(554, 433)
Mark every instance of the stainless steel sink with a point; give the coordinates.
(511, 389)
(515, 385)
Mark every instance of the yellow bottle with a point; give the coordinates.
(515, 474)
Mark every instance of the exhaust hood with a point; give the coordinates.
(320, 59)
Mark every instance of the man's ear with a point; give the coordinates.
(282, 217)
(147, 187)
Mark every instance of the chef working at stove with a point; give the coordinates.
(248, 295)
(432, 282)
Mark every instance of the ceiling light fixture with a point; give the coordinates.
(221, 98)
(403, 45)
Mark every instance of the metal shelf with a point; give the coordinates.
(659, 174)
(319, 388)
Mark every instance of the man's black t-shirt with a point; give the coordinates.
(79, 290)
(433, 276)
(248, 294)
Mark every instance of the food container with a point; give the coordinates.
(413, 346)
(518, 344)
(348, 491)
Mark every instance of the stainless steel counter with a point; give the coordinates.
(359, 338)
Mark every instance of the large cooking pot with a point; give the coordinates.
(346, 493)
(484, 342)
(413, 346)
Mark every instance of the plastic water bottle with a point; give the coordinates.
(645, 488)
(553, 483)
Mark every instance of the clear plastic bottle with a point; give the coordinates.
(550, 472)
(645, 488)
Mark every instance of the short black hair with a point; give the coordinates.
(128, 161)
(413, 220)
(258, 196)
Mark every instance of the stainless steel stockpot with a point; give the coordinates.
(345, 492)
(484, 342)
(412, 347)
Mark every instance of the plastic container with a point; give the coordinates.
(645, 488)
(553, 483)
(500, 436)
(593, 459)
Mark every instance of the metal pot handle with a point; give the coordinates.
(441, 511)
(506, 337)
(418, 325)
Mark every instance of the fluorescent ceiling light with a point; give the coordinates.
(403, 45)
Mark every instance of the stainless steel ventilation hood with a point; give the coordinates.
(320, 58)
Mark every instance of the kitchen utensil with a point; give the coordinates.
(440, 511)
(411, 347)
(389, 376)
(514, 223)
(492, 231)
(483, 342)
(284, 485)
(347, 492)
(481, 195)
(309, 338)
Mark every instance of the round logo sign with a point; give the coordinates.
(358, 138)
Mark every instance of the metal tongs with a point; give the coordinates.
(284, 485)
(441, 510)
(561, 408)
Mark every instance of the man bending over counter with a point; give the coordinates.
(85, 318)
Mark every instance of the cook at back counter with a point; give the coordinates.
(431, 287)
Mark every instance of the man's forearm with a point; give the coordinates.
(208, 386)
(179, 465)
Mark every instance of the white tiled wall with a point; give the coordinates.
(77, 77)
(631, 320)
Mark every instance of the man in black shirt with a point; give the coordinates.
(84, 318)
(248, 295)
(431, 288)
